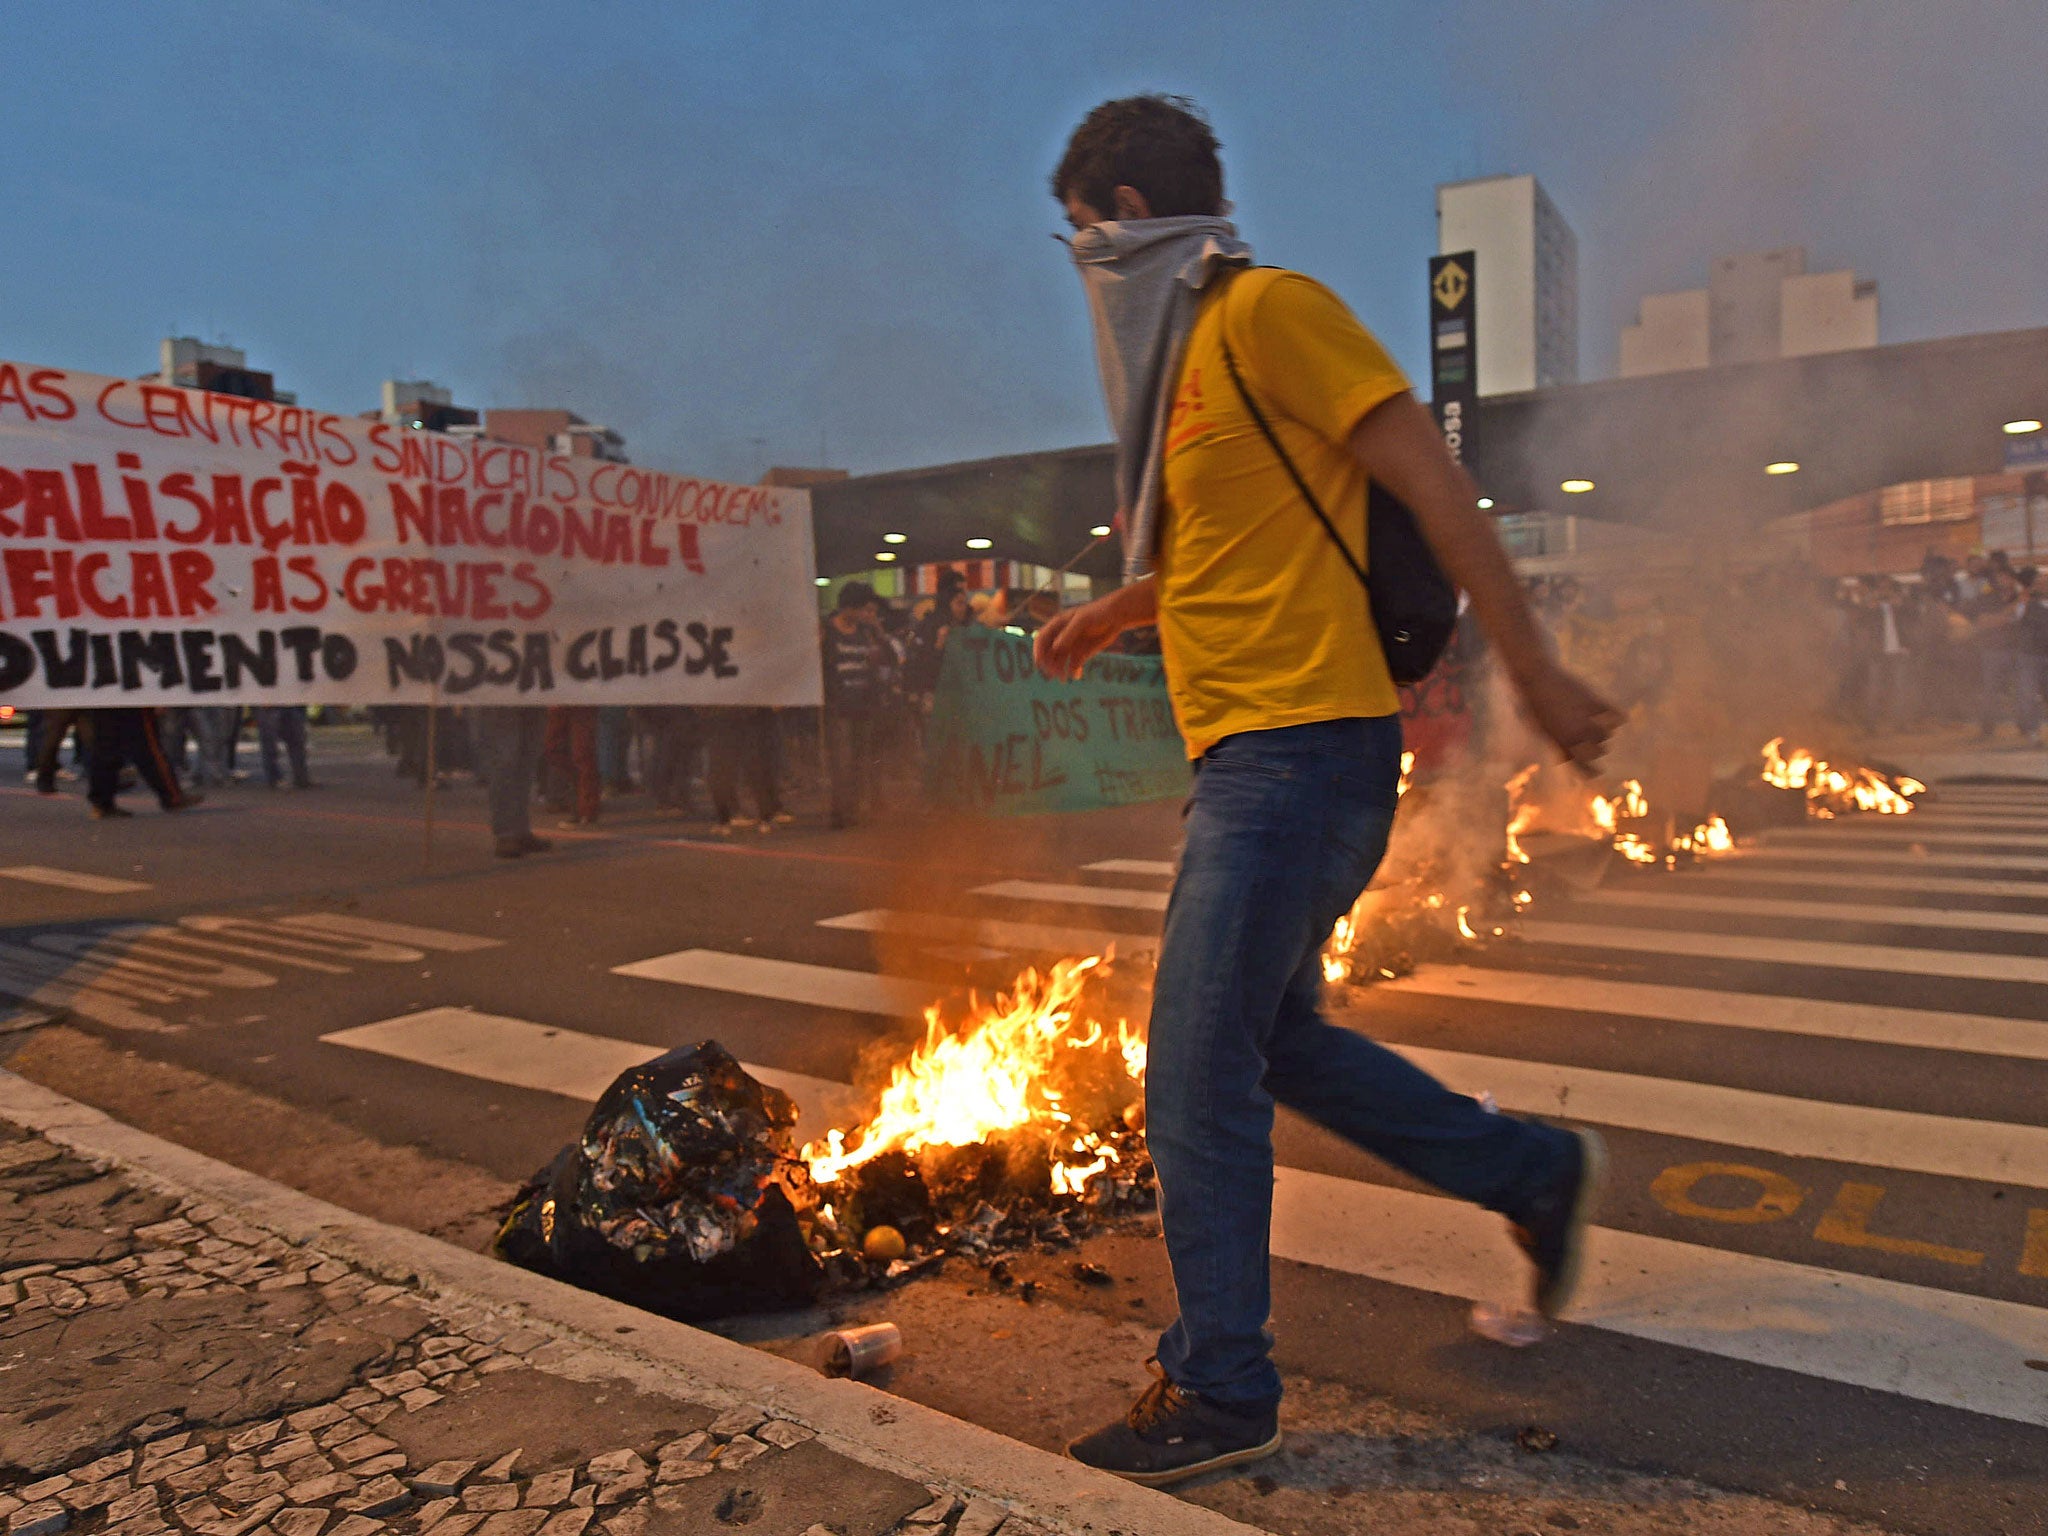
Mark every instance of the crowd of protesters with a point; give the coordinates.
(1949, 644)
(881, 663)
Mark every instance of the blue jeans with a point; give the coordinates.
(1284, 829)
(283, 725)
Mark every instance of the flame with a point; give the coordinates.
(1407, 774)
(1002, 1073)
(1832, 788)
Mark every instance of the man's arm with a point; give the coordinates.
(1400, 447)
(1071, 636)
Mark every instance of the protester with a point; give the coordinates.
(2030, 653)
(509, 740)
(677, 738)
(121, 737)
(1888, 699)
(615, 749)
(855, 693)
(283, 724)
(1280, 688)
(1993, 619)
(572, 782)
(49, 746)
(214, 727)
(740, 743)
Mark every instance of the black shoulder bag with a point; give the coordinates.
(1414, 606)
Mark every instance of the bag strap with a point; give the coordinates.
(1273, 440)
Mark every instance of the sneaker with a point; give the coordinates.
(110, 813)
(1552, 1232)
(186, 801)
(1172, 1433)
(783, 819)
(728, 828)
(45, 784)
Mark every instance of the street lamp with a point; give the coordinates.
(1576, 487)
(1486, 503)
(895, 538)
(2021, 428)
(1100, 531)
(1782, 467)
(885, 555)
(981, 543)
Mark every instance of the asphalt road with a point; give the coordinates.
(1822, 1068)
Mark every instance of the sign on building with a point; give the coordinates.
(1453, 353)
(175, 546)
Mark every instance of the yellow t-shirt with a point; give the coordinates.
(1262, 622)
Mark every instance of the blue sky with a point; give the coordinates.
(775, 232)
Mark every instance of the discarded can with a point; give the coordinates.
(856, 1351)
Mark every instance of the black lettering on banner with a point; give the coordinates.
(260, 662)
(502, 646)
(576, 661)
(17, 662)
(200, 676)
(104, 673)
(417, 660)
(537, 667)
(470, 668)
(302, 640)
(665, 632)
(712, 655)
(66, 671)
(338, 656)
(158, 650)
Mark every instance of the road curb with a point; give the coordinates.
(609, 1339)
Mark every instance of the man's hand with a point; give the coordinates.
(1066, 641)
(1572, 715)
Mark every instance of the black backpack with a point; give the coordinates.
(1414, 605)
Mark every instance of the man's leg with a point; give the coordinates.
(103, 764)
(140, 742)
(268, 720)
(583, 756)
(292, 726)
(762, 765)
(721, 766)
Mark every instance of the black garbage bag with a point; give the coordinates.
(677, 1196)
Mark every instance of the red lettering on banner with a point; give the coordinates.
(93, 507)
(687, 542)
(385, 457)
(581, 539)
(231, 511)
(452, 501)
(307, 527)
(484, 535)
(12, 491)
(28, 580)
(307, 569)
(651, 553)
(542, 599)
(179, 487)
(266, 584)
(152, 592)
(412, 517)
(347, 520)
(191, 570)
(339, 450)
(106, 405)
(45, 385)
(618, 539)
(485, 604)
(48, 504)
(102, 606)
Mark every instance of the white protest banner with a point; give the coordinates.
(175, 546)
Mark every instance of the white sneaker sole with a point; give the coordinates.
(1196, 1469)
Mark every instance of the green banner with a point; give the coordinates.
(1006, 739)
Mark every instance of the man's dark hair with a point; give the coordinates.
(857, 594)
(1160, 145)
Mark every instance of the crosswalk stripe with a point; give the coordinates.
(1047, 937)
(2016, 863)
(2010, 821)
(1867, 832)
(1897, 916)
(440, 939)
(523, 1054)
(1932, 885)
(1935, 1346)
(1959, 964)
(1978, 1033)
(1699, 1111)
(1741, 1117)
(74, 880)
(1162, 868)
(1076, 895)
(789, 981)
(1968, 1352)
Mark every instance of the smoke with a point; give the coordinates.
(1894, 137)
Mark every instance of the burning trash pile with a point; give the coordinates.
(1017, 1127)
(1020, 1126)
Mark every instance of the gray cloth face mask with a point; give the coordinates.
(1144, 280)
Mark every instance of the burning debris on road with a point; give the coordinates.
(1017, 1123)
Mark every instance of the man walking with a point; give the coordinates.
(1284, 697)
(853, 669)
(121, 737)
(509, 741)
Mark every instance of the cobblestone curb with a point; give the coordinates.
(336, 1468)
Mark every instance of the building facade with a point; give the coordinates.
(1527, 261)
(1758, 306)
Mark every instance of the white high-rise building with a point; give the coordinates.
(1526, 307)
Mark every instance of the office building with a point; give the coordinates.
(1527, 288)
(191, 363)
(424, 406)
(555, 431)
(1757, 306)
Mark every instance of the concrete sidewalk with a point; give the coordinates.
(189, 1348)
